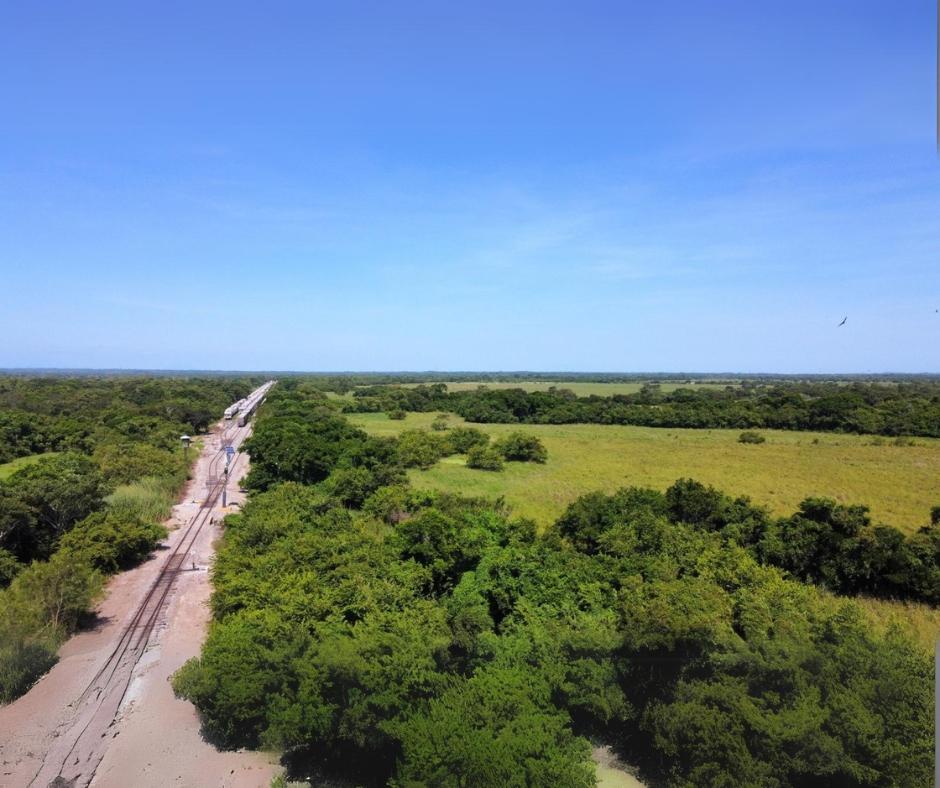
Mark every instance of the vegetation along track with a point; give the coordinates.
(80, 742)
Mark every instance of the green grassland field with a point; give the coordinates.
(899, 483)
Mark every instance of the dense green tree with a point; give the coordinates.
(485, 458)
(421, 449)
(18, 529)
(56, 492)
(122, 463)
(48, 595)
(462, 439)
(589, 517)
(111, 541)
(498, 728)
(519, 447)
(295, 447)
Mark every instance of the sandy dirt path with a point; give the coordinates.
(153, 739)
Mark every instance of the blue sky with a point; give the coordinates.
(457, 186)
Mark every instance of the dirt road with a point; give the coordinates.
(105, 715)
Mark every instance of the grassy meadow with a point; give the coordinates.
(899, 483)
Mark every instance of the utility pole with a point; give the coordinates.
(225, 482)
(229, 453)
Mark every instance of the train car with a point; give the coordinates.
(248, 406)
(232, 410)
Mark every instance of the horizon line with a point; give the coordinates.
(465, 372)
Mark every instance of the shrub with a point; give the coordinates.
(485, 458)
(421, 449)
(350, 486)
(397, 414)
(387, 503)
(440, 423)
(751, 437)
(111, 541)
(462, 439)
(498, 727)
(519, 447)
(692, 502)
(122, 463)
(41, 607)
(49, 595)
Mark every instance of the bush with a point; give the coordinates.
(519, 447)
(751, 437)
(49, 595)
(485, 458)
(350, 486)
(111, 541)
(462, 439)
(387, 503)
(497, 728)
(41, 607)
(122, 463)
(397, 414)
(421, 449)
(440, 423)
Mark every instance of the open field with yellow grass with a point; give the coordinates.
(899, 483)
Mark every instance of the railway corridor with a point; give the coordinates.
(105, 715)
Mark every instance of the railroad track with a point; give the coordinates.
(82, 740)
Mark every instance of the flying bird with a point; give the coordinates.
(843, 321)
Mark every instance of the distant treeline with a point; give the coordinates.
(873, 408)
(388, 635)
(42, 414)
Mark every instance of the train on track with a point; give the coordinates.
(242, 410)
